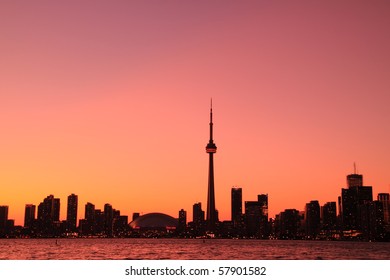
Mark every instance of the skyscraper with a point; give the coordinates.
(71, 215)
(352, 200)
(89, 212)
(3, 218)
(197, 213)
(99, 222)
(371, 220)
(384, 198)
(48, 214)
(263, 201)
(236, 206)
(88, 226)
(312, 219)
(108, 219)
(252, 218)
(288, 224)
(348, 209)
(56, 210)
(211, 149)
(198, 218)
(256, 217)
(329, 215)
(181, 228)
(354, 180)
(29, 215)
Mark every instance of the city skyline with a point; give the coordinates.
(110, 102)
(359, 217)
(353, 192)
(353, 181)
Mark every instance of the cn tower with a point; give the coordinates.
(211, 148)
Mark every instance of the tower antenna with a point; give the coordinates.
(354, 167)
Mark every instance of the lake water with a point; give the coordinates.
(189, 249)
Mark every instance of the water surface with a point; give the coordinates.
(189, 249)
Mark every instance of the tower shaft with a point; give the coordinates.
(211, 212)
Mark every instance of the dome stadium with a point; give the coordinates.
(154, 221)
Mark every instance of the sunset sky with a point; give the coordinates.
(110, 100)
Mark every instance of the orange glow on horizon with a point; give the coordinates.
(111, 103)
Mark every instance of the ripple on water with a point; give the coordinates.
(140, 249)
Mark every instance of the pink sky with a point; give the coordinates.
(110, 101)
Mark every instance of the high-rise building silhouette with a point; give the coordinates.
(197, 213)
(56, 210)
(99, 225)
(363, 197)
(312, 219)
(121, 225)
(263, 201)
(108, 219)
(371, 220)
(352, 202)
(348, 209)
(29, 215)
(89, 212)
(49, 214)
(3, 218)
(354, 180)
(236, 206)
(87, 225)
(329, 216)
(252, 218)
(182, 225)
(198, 220)
(211, 149)
(71, 214)
(50, 209)
(384, 198)
(256, 217)
(288, 223)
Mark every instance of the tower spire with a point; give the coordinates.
(211, 122)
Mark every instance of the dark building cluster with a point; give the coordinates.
(107, 222)
(46, 221)
(251, 224)
(359, 216)
(356, 216)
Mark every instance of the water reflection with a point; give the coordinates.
(134, 249)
